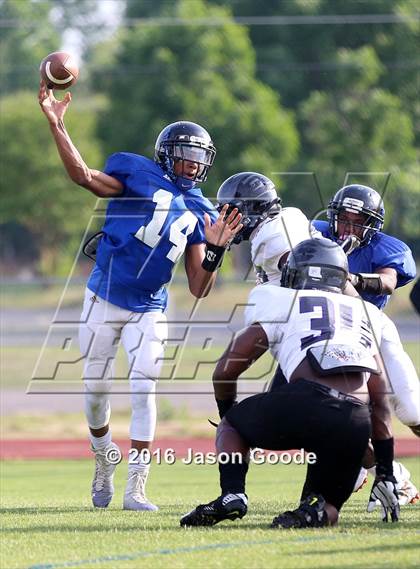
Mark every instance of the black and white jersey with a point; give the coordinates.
(276, 236)
(340, 331)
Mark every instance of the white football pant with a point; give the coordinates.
(402, 375)
(103, 325)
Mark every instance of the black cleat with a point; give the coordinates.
(225, 507)
(310, 514)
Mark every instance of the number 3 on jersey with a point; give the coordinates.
(325, 323)
(150, 233)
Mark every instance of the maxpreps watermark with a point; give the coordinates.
(193, 457)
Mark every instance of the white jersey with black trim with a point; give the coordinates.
(346, 328)
(276, 236)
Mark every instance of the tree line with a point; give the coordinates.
(296, 91)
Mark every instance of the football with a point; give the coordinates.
(59, 70)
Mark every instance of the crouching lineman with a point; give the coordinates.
(356, 216)
(326, 344)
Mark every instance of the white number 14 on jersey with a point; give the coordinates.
(150, 233)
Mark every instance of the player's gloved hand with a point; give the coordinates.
(384, 490)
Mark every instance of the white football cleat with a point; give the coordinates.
(407, 491)
(361, 480)
(135, 492)
(106, 461)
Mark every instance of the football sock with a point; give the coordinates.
(232, 477)
(139, 467)
(101, 442)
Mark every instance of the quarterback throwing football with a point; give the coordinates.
(155, 214)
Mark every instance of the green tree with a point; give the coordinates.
(298, 56)
(27, 37)
(201, 73)
(36, 192)
(360, 132)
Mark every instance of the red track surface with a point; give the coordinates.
(79, 448)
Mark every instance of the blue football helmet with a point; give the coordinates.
(184, 140)
(357, 199)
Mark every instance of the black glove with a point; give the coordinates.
(384, 490)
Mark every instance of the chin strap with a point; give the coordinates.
(184, 184)
(350, 243)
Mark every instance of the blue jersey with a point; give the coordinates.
(146, 231)
(382, 251)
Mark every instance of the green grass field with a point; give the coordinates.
(48, 523)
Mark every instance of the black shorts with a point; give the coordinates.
(304, 415)
(278, 380)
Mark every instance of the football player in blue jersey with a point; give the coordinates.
(156, 213)
(379, 263)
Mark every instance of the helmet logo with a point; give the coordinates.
(197, 139)
(315, 272)
(353, 203)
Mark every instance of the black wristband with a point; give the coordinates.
(224, 405)
(370, 283)
(213, 258)
(384, 455)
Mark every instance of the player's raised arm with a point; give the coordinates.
(95, 181)
(203, 260)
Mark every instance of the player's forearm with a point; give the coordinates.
(389, 283)
(382, 282)
(381, 419)
(224, 382)
(201, 282)
(379, 389)
(74, 164)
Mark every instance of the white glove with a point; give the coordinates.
(384, 490)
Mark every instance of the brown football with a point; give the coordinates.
(59, 70)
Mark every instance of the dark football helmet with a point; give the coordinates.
(316, 263)
(357, 199)
(185, 140)
(254, 195)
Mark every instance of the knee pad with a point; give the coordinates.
(97, 406)
(97, 409)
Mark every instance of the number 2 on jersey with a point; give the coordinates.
(150, 233)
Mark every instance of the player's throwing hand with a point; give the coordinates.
(53, 109)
